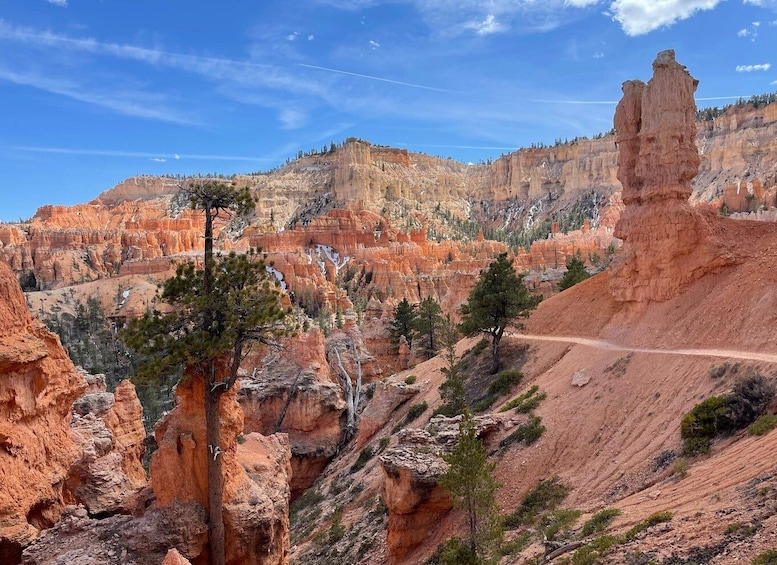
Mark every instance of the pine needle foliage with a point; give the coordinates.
(470, 482)
(498, 300)
(214, 313)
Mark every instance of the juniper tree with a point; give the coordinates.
(215, 312)
(497, 301)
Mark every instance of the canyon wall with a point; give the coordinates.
(38, 384)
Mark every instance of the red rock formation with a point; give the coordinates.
(109, 429)
(293, 391)
(38, 384)
(412, 471)
(667, 243)
(255, 516)
(175, 558)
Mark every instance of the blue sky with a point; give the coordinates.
(95, 91)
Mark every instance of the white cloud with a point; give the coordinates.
(61, 3)
(374, 44)
(292, 36)
(292, 119)
(773, 82)
(598, 55)
(311, 37)
(130, 103)
(638, 17)
(752, 33)
(751, 68)
(488, 26)
(158, 160)
(580, 3)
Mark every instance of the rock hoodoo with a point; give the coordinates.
(667, 243)
(256, 491)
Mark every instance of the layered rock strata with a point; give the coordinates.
(667, 243)
(412, 472)
(38, 384)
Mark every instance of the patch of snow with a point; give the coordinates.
(278, 275)
(326, 253)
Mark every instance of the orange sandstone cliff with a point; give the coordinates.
(38, 384)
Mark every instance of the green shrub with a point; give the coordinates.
(453, 552)
(681, 467)
(590, 554)
(526, 402)
(415, 411)
(528, 432)
(383, 444)
(305, 502)
(763, 425)
(515, 545)
(504, 382)
(766, 558)
(652, 520)
(702, 424)
(409, 380)
(741, 530)
(484, 404)
(336, 530)
(552, 523)
(364, 456)
(546, 496)
(749, 399)
(720, 415)
(600, 521)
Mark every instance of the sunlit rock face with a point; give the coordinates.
(667, 243)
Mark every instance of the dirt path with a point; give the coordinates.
(602, 344)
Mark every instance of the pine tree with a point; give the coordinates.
(497, 301)
(452, 393)
(217, 311)
(575, 272)
(426, 324)
(472, 487)
(402, 324)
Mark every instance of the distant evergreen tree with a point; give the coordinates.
(426, 325)
(402, 324)
(575, 272)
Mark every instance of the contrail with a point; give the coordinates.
(370, 77)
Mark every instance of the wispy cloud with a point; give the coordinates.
(751, 68)
(158, 160)
(134, 103)
(215, 69)
(371, 77)
(61, 3)
(488, 26)
(159, 157)
(374, 44)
